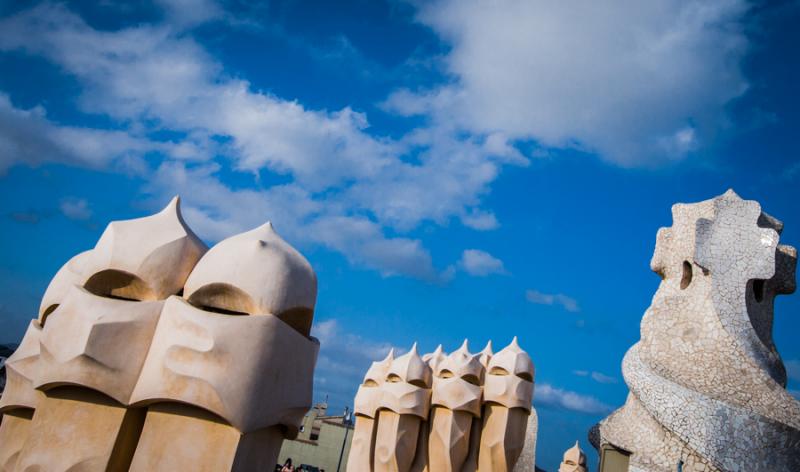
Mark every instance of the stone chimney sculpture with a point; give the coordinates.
(707, 386)
(449, 415)
(574, 460)
(367, 402)
(404, 404)
(456, 400)
(152, 354)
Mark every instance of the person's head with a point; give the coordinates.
(288, 462)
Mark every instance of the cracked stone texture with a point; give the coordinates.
(707, 385)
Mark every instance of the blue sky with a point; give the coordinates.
(452, 169)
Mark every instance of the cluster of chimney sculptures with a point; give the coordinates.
(152, 352)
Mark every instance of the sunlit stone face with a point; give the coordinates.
(433, 415)
(368, 397)
(407, 387)
(509, 378)
(457, 382)
(96, 342)
(237, 343)
(210, 360)
(223, 362)
(574, 460)
(22, 368)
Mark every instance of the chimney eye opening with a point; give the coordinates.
(686, 278)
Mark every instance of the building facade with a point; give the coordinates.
(323, 443)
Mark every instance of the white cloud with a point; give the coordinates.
(349, 186)
(75, 208)
(539, 298)
(28, 136)
(603, 378)
(480, 220)
(598, 377)
(188, 13)
(638, 82)
(548, 395)
(217, 211)
(480, 263)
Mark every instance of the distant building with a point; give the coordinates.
(322, 441)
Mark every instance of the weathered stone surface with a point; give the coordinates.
(707, 386)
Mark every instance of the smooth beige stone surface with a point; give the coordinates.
(269, 277)
(369, 395)
(14, 430)
(448, 440)
(77, 429)
(457, 382)
(507, 397)
(407, 389)
(453, 433)
(180, 437)
(396, 441)
(221, 376)
(456, 399)
(509, 378)
(574, 460)
(502, 437)
(471, 462)
(405, 403)
(21, 370)
(435, 358)
(362, 448)
(253, 371)
(144, 258)
(96, 342)
(367, 402)
(69, 275)
(486, 354)
(421, 461)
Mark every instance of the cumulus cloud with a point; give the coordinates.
(636, 82)
(75, 208)
(539, 298)
(480, 263)
(217, 211)
(554, 397)
(158, 80)
(598, 377)
(26, 135)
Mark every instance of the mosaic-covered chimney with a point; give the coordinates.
(707, 386)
